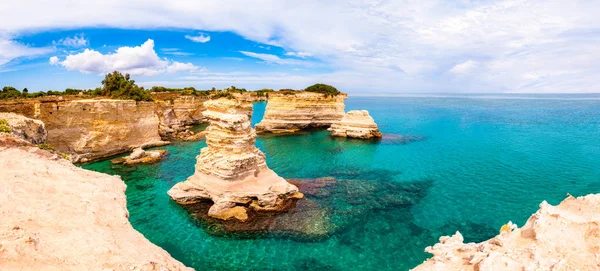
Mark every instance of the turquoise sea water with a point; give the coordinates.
(475, 163)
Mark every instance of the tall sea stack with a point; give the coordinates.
(231, 171)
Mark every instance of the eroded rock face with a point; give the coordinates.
(356, 124)
(33, 131)
(177, 114)
(231, 171)
(304, 110)
(563, 237)
(56, 216)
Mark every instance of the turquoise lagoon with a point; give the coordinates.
(471, 164)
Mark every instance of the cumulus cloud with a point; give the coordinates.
(76, 41)
(138, 60)
(53, 60)
(519, 45)
(200, 38)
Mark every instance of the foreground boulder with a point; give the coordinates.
(289, 113)
(563, 237)
(33, 131)
(231, 171)
(356, 124)
(56, 216)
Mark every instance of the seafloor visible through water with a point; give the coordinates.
(467, 164)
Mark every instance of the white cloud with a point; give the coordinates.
(53, 60)
(10, 50)
(76, 41)
(268, 58)
(299, 54)
(139, 60)
(200, 38)
(416, 40)
(179, 67)
(464, 67)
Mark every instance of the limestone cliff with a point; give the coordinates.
(93, 129)
(302, 110)
(56, 216)
(177, 114)
(356, 124)
(563, 237)
(231, 171)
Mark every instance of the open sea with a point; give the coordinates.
(447, 163)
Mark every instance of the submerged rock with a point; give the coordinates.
(290, 113)
(139, 156)
(563, 237)
(356, 124)
(231, 171)
(331, 206)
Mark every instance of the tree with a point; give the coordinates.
(323, 88)
(119, 86)
(9, 92)
(25, 92)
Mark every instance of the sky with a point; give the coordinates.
(367, 47)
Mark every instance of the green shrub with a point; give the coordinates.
(45, 146)
(323, 88)
(4, 128)
(222, 94)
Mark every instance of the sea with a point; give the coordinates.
(447, 163)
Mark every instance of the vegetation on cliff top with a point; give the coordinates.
(324, 89)
(119, 86)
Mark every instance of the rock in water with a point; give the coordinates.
(289, 113)
(231, 171)
(356, 124)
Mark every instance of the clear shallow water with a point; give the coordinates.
(486, 161)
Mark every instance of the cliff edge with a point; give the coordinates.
(56, 216)
(563, 237)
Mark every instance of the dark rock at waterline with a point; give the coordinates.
(331, 205)
(401, 139)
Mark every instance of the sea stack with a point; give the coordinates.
(292, 112)
(356, 124)
(231, 171)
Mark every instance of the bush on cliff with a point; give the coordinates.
(323, 88)
(4, 128)
(9, 93)
(119, 86)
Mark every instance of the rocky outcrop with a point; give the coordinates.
(56, 216)
(563, 237)
(286, 113)
(177, 114)
(356, 124)
(33, 131)
(139, 156)
(231, 171)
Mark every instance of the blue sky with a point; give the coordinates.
(380, 46)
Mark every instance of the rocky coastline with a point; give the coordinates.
(56, 216)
